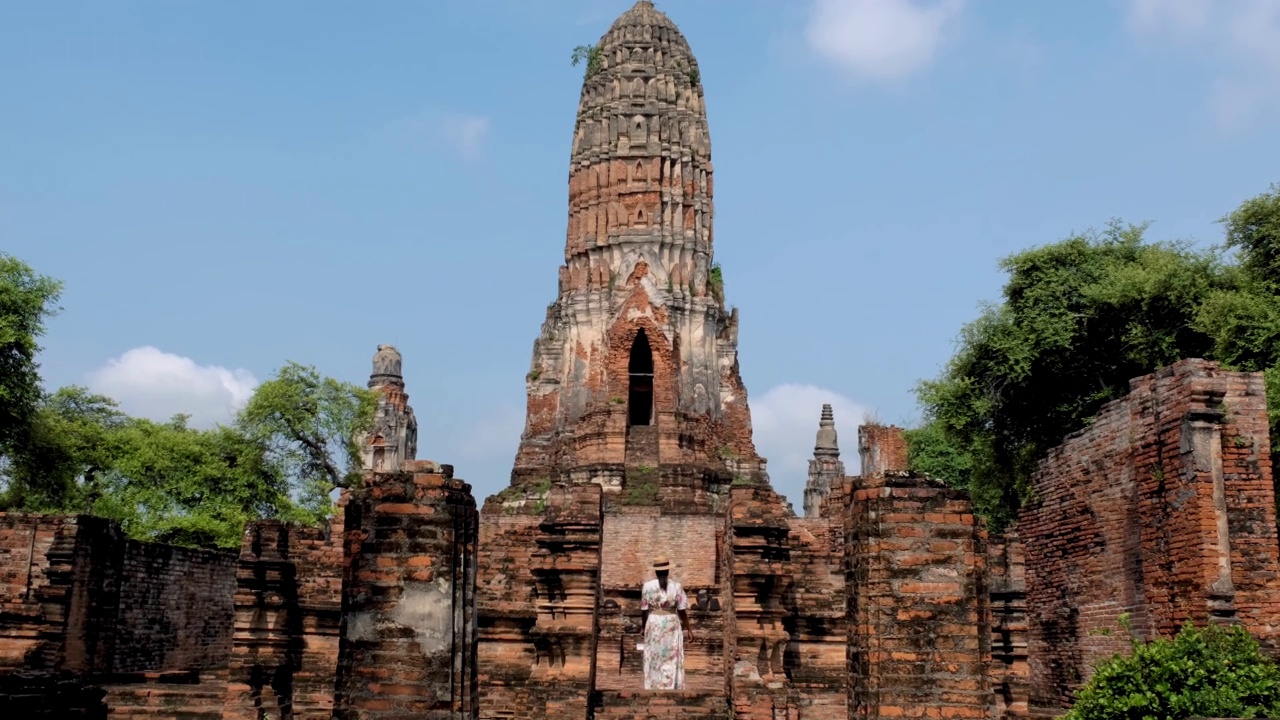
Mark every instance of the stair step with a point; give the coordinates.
(652, 704)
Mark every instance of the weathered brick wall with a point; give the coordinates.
(76, 595)
(631, 541)
(288, 608)
(632, 538)
(1163, 509)
(882, 449)
(33, 595)
(175, 609)
(919, 625)
(62, 595)
(408, 634)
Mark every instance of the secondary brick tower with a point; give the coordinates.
(637, 364)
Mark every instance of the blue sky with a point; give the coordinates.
(227, 186)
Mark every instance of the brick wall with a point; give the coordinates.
(882, 449)
(632, 538)
(632, 541)
(174, 610)
(75, 595)
(408, 633)
(919, 618)
(154, 695)
(758, 574)
(1163, 509)
(34, 596)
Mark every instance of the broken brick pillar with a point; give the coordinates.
(408, 629)
(882, 449)
(919, 617)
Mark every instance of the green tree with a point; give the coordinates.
(1213, 672)
(65, 448)
(26, 301)
(171, 483)
(1245, 323)
(309, 426)
(1254, 230)
(1079, 319)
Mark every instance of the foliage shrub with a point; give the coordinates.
(1209, 672)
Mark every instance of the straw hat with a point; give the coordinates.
(661, 563)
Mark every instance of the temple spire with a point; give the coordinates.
(393, 438)
(636, 364)
(825, 467)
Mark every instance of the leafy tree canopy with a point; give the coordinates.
(26, 301)
(68, 444)
(310, 427)
(1079, 319)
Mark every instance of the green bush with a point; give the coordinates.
(1210, 672)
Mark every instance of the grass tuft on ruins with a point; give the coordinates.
(886, 598)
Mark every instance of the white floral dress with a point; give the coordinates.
(663, 636)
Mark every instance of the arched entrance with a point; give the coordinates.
(640, 382)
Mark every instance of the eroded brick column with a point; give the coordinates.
(408, 633)
(288, 605)
(919, 622)
(759, 574)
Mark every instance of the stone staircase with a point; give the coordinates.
(166, 696)
(642, 446)
(659, 705)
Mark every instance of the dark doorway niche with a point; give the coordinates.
(640, 377)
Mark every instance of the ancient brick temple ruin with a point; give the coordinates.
(887, 598)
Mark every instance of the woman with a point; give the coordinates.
(665, 614)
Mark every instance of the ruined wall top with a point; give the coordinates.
(883, 450)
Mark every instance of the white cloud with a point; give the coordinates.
(785, 425)
(880, 40)
(1243, 36)
(155, 384)
(467, 133)
(462, 133)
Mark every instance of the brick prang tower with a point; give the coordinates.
(636, 364)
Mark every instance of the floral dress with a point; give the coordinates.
(663, 636)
